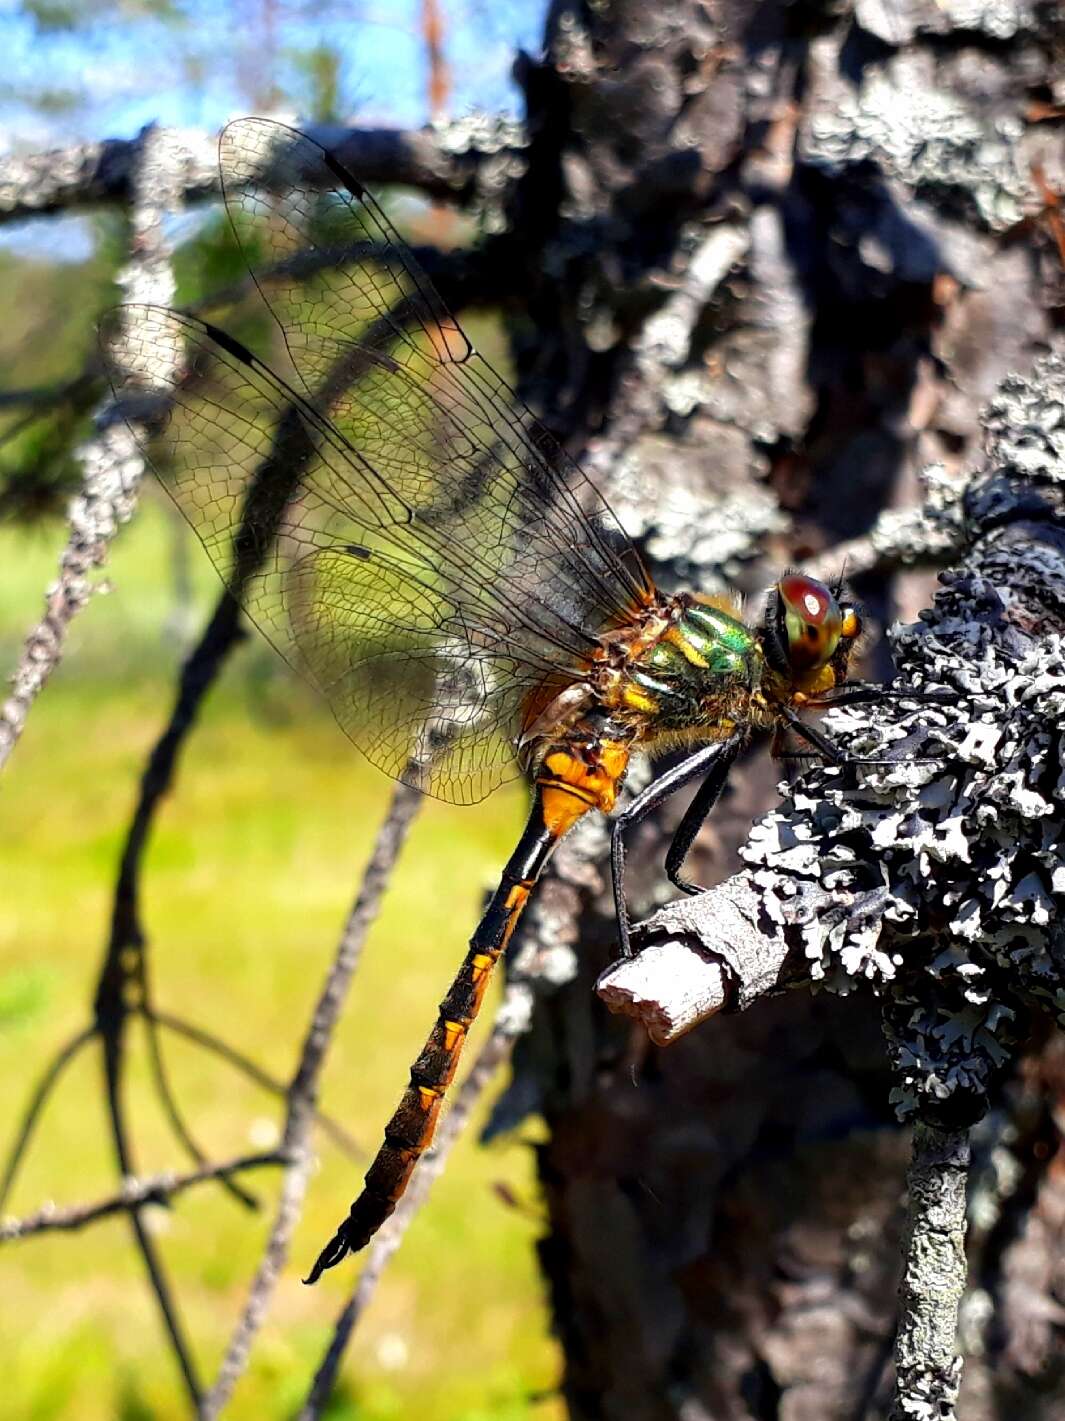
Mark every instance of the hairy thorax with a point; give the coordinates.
(689, 670)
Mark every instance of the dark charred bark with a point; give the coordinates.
(725, 1215)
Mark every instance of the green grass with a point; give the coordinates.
(256, 856)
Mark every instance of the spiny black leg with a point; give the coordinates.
(656, 793)
(855, 693)
(697, 813)
(828, 748)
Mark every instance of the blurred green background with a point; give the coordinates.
(257, 854)
(248, 881)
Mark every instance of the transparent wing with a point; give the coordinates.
(425, 663)
(407, 537)
(496, 473)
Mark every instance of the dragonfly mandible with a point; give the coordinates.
(416, 544)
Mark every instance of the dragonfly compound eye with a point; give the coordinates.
(813, 621)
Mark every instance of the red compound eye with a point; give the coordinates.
(813, 621)
(807, 598)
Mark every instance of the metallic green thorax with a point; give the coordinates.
(704, 667)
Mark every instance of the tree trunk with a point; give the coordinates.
(777, 258)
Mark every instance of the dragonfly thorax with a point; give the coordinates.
(699, 678)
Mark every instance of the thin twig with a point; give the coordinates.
(111, 463)
(38, 1100)
(338, 1133)
(928, 1368)
(511, 1021)
(113, 1062)
(153, 1189)
(174, 1115)
(106, 501)
(38, 397)
(303, 1091)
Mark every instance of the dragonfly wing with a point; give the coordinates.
(427, 673)
(399, 526)
(456, 443)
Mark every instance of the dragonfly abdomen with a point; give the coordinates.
(572, 781)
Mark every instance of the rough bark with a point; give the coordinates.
(779, 258)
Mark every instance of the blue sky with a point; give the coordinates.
(123, 69)
(120, 69)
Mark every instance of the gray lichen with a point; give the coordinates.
(493, 147)
(898, 22)
(933, 868)
(935, 142)
(950, 857)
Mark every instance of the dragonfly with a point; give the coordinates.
(415, 543)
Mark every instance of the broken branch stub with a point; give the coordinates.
(937, 878)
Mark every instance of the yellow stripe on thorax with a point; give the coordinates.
(676, 638)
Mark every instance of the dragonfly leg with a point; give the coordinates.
(656, 793)
(697, 813)
(825, 747)
(855, 693)
(817, 738)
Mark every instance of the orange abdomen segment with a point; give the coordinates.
(567, 788)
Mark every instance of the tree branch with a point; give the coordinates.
(154, 1189)
(928, 1368)
(455, 160)
(175, 1116)
(806, 908)
(38, 1100)
(113, 467)
(931, 870)
(329, 1126)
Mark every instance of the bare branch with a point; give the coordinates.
(87, 174)
(38, 1100)
(673, 983)
(113, 468)
(329, 1126)
(452, 160)
(106, 501)
(155, 1189)
(113, 1046)
(40, 397)
(173, 1112)
(927, 1365)
(303, 1091)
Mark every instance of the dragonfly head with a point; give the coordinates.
(808, 633)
